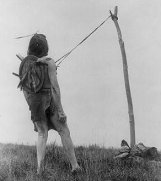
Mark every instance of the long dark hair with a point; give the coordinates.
(38, 46)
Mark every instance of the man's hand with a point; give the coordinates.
(62, 117)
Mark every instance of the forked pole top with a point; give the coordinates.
(114, 15)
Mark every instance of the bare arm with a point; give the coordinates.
(55, 86)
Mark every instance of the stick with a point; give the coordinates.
(126, 78)
(15, 74)
(19, 56)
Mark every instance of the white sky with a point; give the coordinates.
(91, 79)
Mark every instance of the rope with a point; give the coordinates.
(61, 59)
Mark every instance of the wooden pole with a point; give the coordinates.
(126, 78)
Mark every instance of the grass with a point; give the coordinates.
(18, 163)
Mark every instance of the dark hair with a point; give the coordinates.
(38, 46)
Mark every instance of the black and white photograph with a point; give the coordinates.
(80, 90)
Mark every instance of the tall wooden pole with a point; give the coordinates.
(126, 78)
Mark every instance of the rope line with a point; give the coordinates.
(61, 59)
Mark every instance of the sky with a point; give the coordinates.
(91, 78)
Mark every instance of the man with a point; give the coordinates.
(45, 105)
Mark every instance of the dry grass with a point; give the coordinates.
(18, 163)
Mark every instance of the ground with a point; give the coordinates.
(18, 163)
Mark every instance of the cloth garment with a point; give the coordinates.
(41, 106)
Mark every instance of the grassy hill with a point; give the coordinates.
(18, 163)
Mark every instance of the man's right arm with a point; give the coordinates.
(54, 83)
(55, 87)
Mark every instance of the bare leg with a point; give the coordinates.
(64, 133)
(41, 143)
(68, 145)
